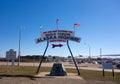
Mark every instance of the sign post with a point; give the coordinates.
(107, 66)
(11, 55)
(7, 66)
(42, 58)
(13, 65)
(73, 59)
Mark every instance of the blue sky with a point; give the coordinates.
(99, 20)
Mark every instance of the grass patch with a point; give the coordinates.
(86, 74)
(21, 70)
(97, 75)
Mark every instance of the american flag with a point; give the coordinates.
(76, 25)
(57, 20)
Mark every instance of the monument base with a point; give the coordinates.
(58, 70)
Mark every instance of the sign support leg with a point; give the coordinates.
(103, 73)
(73, 59)
(7, 66)
(42, 58)
(113, 72)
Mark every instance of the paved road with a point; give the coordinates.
(86, 66)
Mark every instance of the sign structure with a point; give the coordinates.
(11, 55)
(57, 36)
(107, 66)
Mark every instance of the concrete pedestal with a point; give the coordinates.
(58, 70)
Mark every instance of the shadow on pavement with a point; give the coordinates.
(26, 76)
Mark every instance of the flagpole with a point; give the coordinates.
(57, 25)
(57, 20)
(74, 29)
(75, 26)
(41, 30)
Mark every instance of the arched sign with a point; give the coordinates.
(57, 36)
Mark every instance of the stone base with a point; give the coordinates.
(58, 70)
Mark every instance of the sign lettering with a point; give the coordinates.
(57, 36)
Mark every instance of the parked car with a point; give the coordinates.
(118, 66)
(99, 60)
(116, 61)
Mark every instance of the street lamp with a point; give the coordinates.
(100, 53)
(89, 49)
(19, 49)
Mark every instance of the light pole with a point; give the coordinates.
(100, 53)
(89, 50)
(19, 49)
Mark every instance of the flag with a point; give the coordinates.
(41, 26)
(76, 25)
(57, 20)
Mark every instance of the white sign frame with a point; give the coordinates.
(57, 36)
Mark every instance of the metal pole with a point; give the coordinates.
(73, 59)
(113, 72)
(42, 58)
(100, 53)
(19, 47)
(103, 73)
(7, 65)
(89, 51)
(57, 21)
(41, 30)
(33, 60)
(57, 25)
(74, 30)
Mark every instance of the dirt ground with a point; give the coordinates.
(43, 79)
(50, 80)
